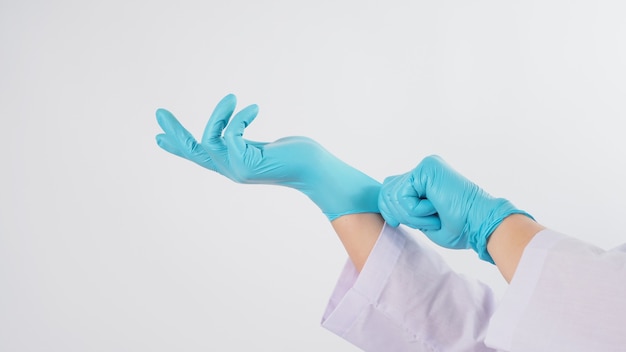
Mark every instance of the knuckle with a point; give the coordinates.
(431, 160)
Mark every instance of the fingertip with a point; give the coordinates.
(223, 111)
(248, 114)
(159, 112)
(162, 112)
(161, 141)
(242, 120)
(229, 100)
(253, 110)
(162, 115)
(159, 138)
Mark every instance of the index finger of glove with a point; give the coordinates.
(219, 119)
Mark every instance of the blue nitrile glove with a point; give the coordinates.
(296, 162)
(450, 209)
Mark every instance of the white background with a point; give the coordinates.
(108, 243)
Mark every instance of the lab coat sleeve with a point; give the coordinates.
(407, 299)
(566, 295)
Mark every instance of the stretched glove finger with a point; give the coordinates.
(212, 136)
(173, 128)
(197, 154)
(177, 140)
(244, 158)
(233, 135)
(166, 144)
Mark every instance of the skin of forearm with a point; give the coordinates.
(507, 243)
(358, 234)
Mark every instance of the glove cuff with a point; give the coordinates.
(361, 199)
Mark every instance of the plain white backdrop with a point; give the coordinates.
(108, 243)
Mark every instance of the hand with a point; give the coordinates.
(450, 209)
(297, 162)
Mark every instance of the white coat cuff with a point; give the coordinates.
(354, 292)
(504, 322)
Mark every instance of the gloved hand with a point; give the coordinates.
(297, 162)
(450, 209)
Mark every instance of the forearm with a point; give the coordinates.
(358, 234)
(508, 241)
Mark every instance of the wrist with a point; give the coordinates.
(491, 215)
(358, 234)
(508, 241)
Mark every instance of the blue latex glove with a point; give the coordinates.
(450, 209)
(297, 162)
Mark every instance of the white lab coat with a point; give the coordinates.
(566, 295)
